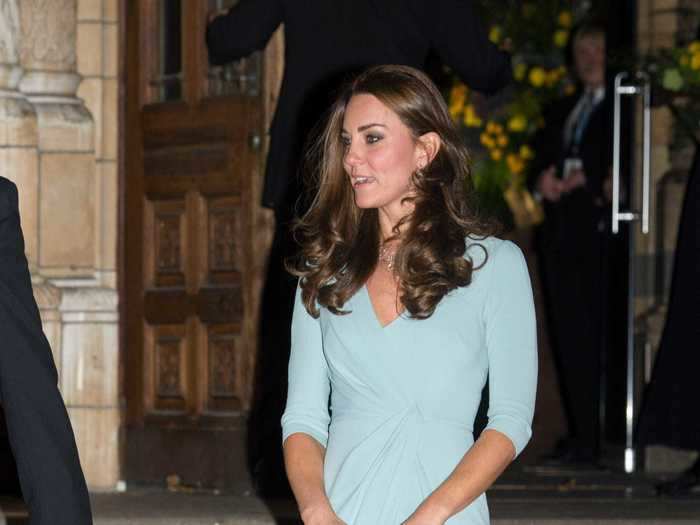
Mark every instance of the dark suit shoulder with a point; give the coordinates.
(560, 108)
(8, 197)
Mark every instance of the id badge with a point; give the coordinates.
(571, 164)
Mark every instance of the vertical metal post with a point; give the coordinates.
(639, 85)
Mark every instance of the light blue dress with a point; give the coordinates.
(403, 398)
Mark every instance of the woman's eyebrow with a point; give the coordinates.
(367, 126)
(364, 127)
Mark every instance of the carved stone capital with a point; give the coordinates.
(9, 32)
(48, 34)
(10, 71)
(48, 43)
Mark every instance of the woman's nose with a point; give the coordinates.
(352, 156)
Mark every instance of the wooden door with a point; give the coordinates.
(192, 162)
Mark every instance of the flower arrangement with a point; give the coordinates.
(675, 76)
(537, 33)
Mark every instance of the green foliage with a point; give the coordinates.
(537, 34)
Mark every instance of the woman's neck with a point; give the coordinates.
(388, 219)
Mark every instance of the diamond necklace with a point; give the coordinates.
(386, 257)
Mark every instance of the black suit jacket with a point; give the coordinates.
(39, 431)
(573, 221)
(326, 40)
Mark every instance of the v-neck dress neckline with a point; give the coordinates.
(373, 312)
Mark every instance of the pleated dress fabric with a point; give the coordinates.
(395, 405)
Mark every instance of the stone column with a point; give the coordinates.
(66, 145)
(19, 162)
(18, 128)
(78, 303)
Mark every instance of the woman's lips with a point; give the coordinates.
(361, 182)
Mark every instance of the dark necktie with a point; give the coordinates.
(582, 120)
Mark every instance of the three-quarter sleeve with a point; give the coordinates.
(309, 382)
(458, 36)
(245, 28)
(511, 342)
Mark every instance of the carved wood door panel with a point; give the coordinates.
(191, 163)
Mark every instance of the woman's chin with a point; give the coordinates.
(364, 202)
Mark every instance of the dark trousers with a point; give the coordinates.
(575, 274)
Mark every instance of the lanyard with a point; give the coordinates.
(582, 119)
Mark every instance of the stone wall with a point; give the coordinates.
(58, 143)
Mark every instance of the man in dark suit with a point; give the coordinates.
(326, 42)
(39, 431)
(572, 175)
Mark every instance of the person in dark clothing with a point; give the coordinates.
(325, 44)
(571, 175)
(669, 413)
(38, 427)
(325, 41)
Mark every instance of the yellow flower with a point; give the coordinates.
(561, 37)
(515, 164)
(685, 60)
(491, 127)
(496, 154)
(519, 71)
(502, 141)
(551, 78)
(471, 119)
(565, 19)
(458, 95)
(695, 61)
(536, 76)
(495, 34)
(694, 47)
(486, 140)
(517, 123)
(526, 152)
(459, 92)
(497, 128)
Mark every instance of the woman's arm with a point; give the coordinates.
(303, 459)
(306, 418)
(511, 343)
(475, 473)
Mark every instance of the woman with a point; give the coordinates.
(404, 306)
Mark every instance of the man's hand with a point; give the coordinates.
(576, 179)
(549, 186)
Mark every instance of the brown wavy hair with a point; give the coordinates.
(339, 242)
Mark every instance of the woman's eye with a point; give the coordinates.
(345, 141)
(371, 139)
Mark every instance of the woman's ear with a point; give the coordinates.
(427, 148)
